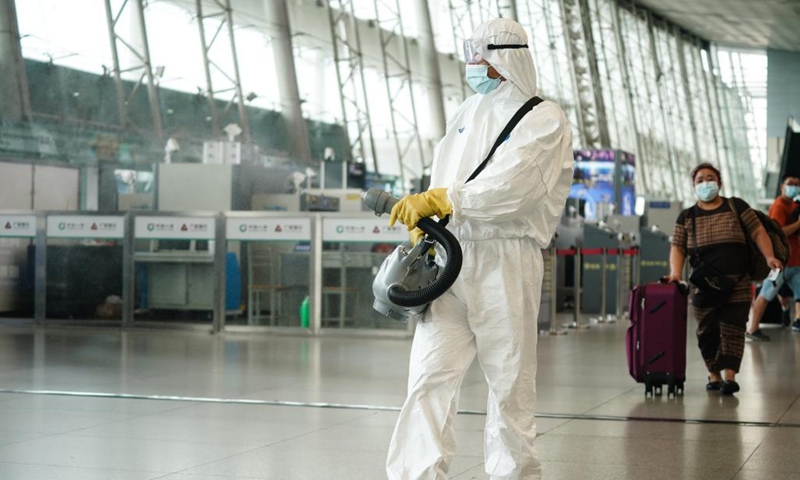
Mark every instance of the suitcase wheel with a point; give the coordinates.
(648, 389)
(675, 389)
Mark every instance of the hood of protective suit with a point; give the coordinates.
(516, 65)
(522, 191)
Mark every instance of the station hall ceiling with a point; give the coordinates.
(745, 23)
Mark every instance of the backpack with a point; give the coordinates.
(780, 244)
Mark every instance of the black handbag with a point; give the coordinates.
(714, 286)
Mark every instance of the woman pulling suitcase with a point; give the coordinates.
(711, 233)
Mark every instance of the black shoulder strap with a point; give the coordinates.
(732, 204)
(692, 215)
(523, 110)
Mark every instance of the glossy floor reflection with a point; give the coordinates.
(584, 373)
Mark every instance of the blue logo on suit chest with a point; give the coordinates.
(461, 130)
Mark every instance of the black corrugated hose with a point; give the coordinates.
(445, 279)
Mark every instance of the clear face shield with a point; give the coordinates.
(475, 50)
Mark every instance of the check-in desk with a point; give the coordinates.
(177, 279)
(346, 284)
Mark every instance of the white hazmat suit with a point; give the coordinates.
(502, 219)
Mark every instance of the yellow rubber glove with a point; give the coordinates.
(416, 235)
(412, 208)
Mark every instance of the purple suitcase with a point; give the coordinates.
(656, 338)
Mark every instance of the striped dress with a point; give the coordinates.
(722, 244)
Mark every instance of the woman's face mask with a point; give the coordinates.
(706, 191)
(478, 79)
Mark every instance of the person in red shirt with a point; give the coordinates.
(783, 211)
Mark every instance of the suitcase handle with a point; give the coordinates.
(683, 287)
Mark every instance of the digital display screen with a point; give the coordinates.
(601, 175)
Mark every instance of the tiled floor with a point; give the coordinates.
(45, 437)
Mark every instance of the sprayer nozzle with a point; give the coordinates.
(378, 201)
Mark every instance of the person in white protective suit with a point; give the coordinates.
(503, 218)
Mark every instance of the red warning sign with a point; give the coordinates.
(376, 230)
(278, 229)
(184, 228)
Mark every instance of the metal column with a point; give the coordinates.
(225, 18)
(702, 101)
(726, 125)
(674, 105)
(508, 9)
(342, 286)
(594, 23)
(316, 275)
(348, 58)
(738, 101)
(594, 74)
(220, 267)
(128, 273)
(657, 170)
(716, 120)
(553, 290)
(580, 46)
(278, 13)
(431, 70)
(660, 87)
(687, 90)
(748, 96)
(557, 33)
(146, 68)
(575, 69)
(603, 288)
(621, 294)
(399, 88)
(40, 271)
(629, 104)
(576, 323)
(15, 103)
(727, 121)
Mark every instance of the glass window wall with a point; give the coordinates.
(653, 82)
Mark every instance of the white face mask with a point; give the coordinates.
(706, 191)
(478, 79)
